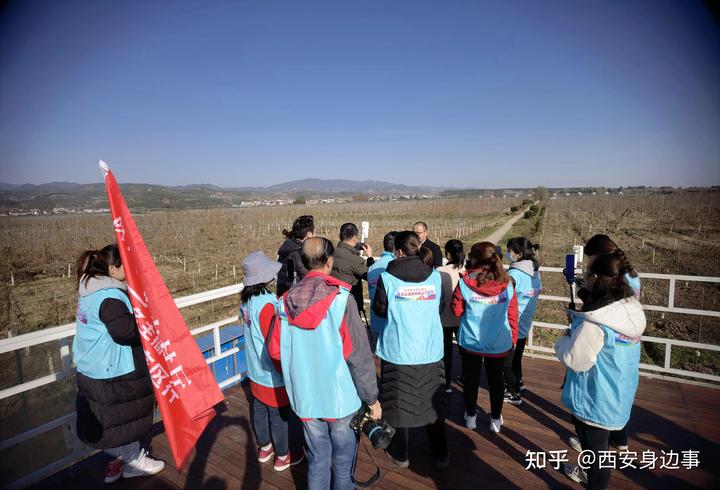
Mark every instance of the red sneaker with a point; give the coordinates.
(264, 455)
(114, 470)
(290, 459)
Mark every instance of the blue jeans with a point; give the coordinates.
(270, 425)
(128, 452)
(330, 445)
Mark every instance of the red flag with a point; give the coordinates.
(185, 388)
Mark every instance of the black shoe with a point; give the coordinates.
(459, 381)
(401, 464)
(512, 398)
(521, 385)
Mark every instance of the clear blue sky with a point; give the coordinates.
(473, 93)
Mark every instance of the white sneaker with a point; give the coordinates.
(143, 465)
(575, 473)
(470, 421)
(495, 424)
(574, 443)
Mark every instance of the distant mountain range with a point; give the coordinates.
(70, 195)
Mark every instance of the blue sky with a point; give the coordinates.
(472, 93)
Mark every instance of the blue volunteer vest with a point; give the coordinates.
(527, 289)
(317, 378)
(260, 367)
(413, 333)
(95, 353)
(373, 276)
(484, 327)
(604, 394)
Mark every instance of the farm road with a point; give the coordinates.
(497, 235)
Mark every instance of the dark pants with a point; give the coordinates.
(594, 439)
(619, 437)
(517, 359)
(472, 369)
(510, 380)
(398, 447)
(270, 421)
(448, 357)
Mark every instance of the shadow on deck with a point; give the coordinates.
(667, 416)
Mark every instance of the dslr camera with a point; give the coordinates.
(379, 432)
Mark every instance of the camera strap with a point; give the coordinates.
(373, 479)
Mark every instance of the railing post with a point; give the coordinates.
(65, 359)
(671, 294)
(668, 346)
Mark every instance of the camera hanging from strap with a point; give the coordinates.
(373, 479)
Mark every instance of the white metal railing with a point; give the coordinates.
(669, 343)
(62, 334)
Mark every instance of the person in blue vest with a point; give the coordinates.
(373, 276)
(598, 245)
(115, 397)
(270, 407)
(485, 300)
(525, 273)
(327, 365)
(601, 351)
(410, 346)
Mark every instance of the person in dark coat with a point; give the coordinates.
(115, 397)
(410, 346)
(292, 269)
(421, 230)
(349, 266)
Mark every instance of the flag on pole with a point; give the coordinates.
(185, 388)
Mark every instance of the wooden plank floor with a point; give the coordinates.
(667, 416)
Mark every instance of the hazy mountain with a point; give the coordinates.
(147, 196)
(347, 186)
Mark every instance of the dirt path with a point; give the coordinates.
(497, 235)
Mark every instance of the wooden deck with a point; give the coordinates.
(667, 416)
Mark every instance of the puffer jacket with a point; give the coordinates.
(115, 411)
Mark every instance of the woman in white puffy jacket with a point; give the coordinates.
(601, 351)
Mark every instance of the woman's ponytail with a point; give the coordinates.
(93, 263)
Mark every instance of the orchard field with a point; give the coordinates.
(664, 233)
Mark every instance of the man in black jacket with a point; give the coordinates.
(349, 266)
(421, 229)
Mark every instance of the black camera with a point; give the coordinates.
(360, 246)
(379, 432)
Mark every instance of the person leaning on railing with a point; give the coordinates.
(115, 397)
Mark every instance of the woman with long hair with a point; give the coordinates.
(292, 269)
(485, 300)
(601, 351)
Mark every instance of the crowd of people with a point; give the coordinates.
(311, 350)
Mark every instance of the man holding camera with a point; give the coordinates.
(348, 265)
(327, 365)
